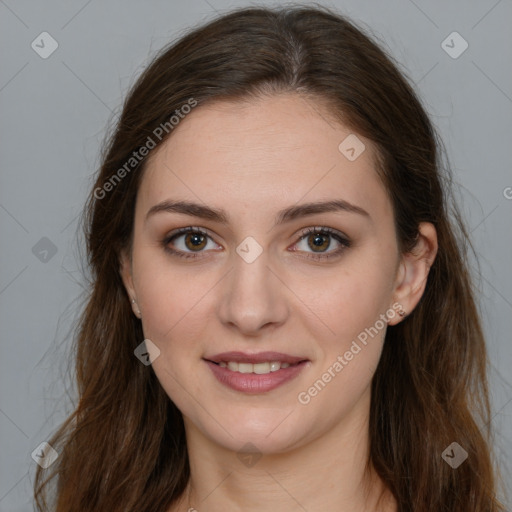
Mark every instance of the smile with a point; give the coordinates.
(258, 368)
(255, 373)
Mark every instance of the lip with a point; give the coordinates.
(252, 383)
(259, 357)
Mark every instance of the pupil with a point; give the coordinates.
(196, 239)
(319, 241)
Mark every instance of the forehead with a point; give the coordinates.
(261, 153)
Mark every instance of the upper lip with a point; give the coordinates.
(260, 357)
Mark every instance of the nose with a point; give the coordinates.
(253, 297)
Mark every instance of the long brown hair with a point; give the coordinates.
(124, 446)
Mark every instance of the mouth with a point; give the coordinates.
(257, 368)
(255, 373)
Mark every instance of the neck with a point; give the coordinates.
(328, 473)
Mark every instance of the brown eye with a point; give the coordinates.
(195, 241)
(187, 241)
(318, 242)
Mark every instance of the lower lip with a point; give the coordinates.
(253, 383)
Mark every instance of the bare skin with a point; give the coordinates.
(252, 160)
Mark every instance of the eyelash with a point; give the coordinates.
(345, 243)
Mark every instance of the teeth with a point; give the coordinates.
(244, 367)
(274, 366)
(258, 368)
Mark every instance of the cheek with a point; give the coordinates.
(344, 375)
(350, 334)
(167, 294)
(173, 317)
(342, 303)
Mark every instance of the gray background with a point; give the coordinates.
(54, 115)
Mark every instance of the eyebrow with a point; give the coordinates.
(286, 215)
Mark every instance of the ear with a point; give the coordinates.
(413, 270)
(125, 270)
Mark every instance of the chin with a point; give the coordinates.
(272, 432)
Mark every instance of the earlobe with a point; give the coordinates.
(414, 269)
(135, 308)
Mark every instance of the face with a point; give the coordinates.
(269, 316)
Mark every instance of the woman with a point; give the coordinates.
(281, 314)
